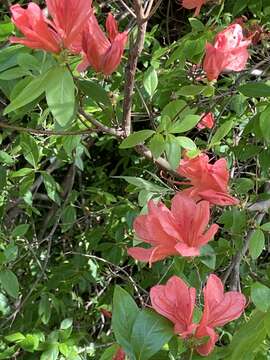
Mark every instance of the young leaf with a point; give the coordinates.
(60, 94)
(150, 332)
(136, 138)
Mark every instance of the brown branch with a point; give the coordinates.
(105, 129)
(160, 162)
(233, 271)
(131, 68)
(45, 132)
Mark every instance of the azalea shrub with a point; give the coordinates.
(134, 178)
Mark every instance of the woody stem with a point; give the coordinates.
(131, 68)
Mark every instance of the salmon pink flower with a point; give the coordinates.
(69, 18)
(102, 53)
(207, 121)
(63, 31)
(219, 309)
(194, 4)
(176, 302)
(208, 181)
(32, 23)
(229, 52)
(181, 230)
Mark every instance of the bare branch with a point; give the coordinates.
(131, 68)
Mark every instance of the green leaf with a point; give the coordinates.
(248, 338)
(13, 73)
(142, 183)
(16, 337)
(150, 81)
(60, 95)
(20, 230)
(110, 352)
(31, 92)
(255, 89)
(125, 312)
(264, 123)
(157, 145)
(6, 158)
(239, 6)
(190, 90)
(150, 332)
(44, 309)
(188, 123)
(186, 143)
(196, 24)
(30, 149)
(136, 138)
(9, 282)
(265, 227)
(95, 92)
(173, 151)
(3, 177)
(243, 185)
(30, 343)
(256, 243)
(51, 353)
(51, 187)
(221, 132)
(208, 256)
(260, 295)
(174, 108)
(66, 324)
(68, 218)
(21, 172)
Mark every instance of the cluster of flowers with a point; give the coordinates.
(183, 231)
(72, 26)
